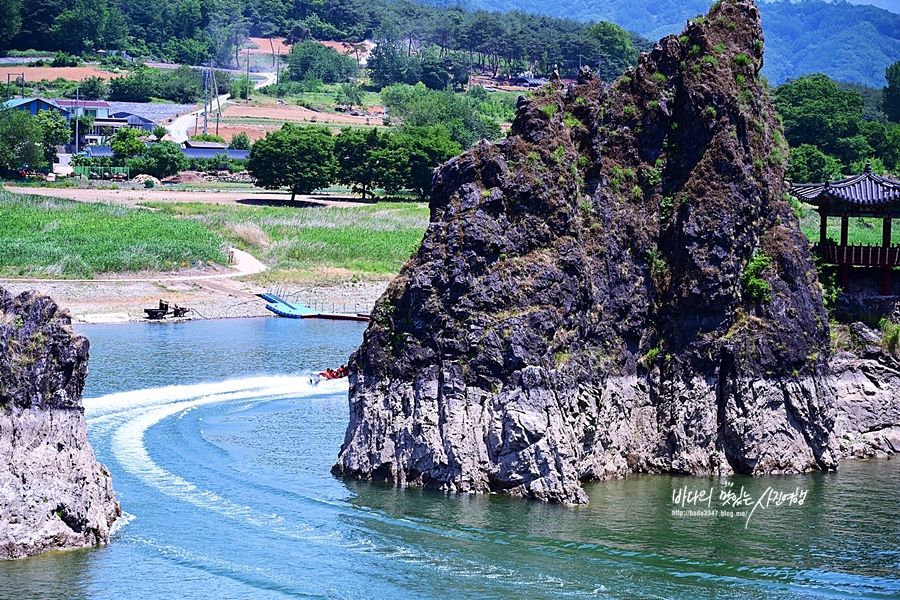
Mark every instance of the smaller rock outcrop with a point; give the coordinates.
(53, 492)
(866, 380)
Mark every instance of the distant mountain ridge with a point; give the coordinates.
(848, 42)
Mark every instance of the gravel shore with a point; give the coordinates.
(125, 301)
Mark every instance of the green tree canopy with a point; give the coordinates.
(617, 51)
(349, 94)
(355, 151)
(815, 111)
(21, 140)
(54, 132)
(160, 160)
(423, 149)
(240, 141)
(138, 86)
(417, 106)
(93, 88)
(312, 59)
(811, 165)
(390, 64)
(10, 23)
(890, 94)
(299, 158)
(127, 143)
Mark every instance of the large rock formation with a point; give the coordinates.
(53, 493)
(617, 287)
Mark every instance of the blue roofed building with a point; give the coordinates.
(34, 106)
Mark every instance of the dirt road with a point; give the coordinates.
(181, 129)
(133, 197)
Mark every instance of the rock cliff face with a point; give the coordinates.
(53, 493)
(867, 421)
(617, 287)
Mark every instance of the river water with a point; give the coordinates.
(220, 451)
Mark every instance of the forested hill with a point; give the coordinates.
(848, 42)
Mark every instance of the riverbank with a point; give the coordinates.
(124, 301)
(216, 291)
(212, 293)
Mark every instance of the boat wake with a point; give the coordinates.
(124, 419)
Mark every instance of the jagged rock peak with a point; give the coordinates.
(616, 287)
(55, 495)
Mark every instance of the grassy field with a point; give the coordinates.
(316, 242)
(859, 230)
(47, 237)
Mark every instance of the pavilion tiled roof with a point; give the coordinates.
(865, 189)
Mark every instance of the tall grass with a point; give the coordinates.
(366, 239)
(51, 237)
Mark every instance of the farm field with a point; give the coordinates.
(286, 112)
(51, 73)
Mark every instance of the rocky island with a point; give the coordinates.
(617, 287)
(53, 492)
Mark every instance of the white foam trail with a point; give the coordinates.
(121, 522)
(131, 414)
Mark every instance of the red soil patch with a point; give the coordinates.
(347, 48)
(51, 73)
(264, 47)
(254, 132)
(287, 112)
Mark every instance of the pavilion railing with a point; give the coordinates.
(858, 255)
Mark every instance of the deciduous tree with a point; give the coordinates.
(355, 151)
(21, 140)
(160, 160)
(127, 143)
(423, 149)
(93, 88)
(299, 158)
(240, 141)
(890, 94)
(54, 132)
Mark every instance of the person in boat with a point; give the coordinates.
(343, 371)
(329, 374)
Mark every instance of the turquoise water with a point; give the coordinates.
(220, 452)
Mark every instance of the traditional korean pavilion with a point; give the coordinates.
(864, 195)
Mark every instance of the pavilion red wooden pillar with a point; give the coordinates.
(823, 227)
(844, 270)
(886, 269)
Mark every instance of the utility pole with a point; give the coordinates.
(248, 75)
(76, 120)
(205, 100)
(7, 87)
(215, 88)
(23, 85)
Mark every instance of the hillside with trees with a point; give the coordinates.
(846, 41)
(833, 129)
(202, 31)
